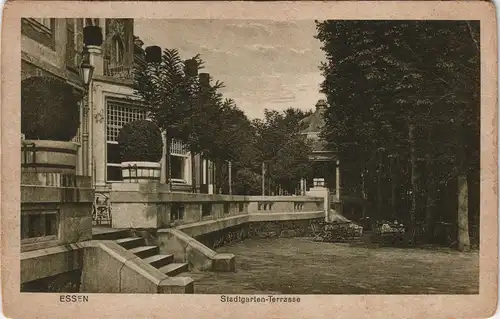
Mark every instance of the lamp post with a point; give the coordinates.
(92, 37)
(86, 72)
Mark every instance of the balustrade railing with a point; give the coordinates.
(118, 70)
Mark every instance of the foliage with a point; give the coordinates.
(404, 108)
(50, 109)
(280, 145)
(140, 141)
(211, 125)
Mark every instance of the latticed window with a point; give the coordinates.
(118, 114)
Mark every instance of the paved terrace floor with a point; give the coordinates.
(302, 266)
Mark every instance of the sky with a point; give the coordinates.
(264, 64)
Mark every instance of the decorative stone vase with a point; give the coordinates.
(47, 156)
(140, 172)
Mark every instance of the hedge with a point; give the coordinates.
(49, 109)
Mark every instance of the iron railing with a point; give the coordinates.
(101, 209)
(118, 70)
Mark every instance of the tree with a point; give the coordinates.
(280, 144)
(399, 94)
(192, 110)
(165, 91)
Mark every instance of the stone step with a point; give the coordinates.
(174, 269)
(145, 251)
(104, 233)
(159, 260)
(130, 242)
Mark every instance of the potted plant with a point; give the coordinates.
(141, 147)
(50, 118)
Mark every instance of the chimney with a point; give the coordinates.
(191, 67)
(153, 54)
(204, 79)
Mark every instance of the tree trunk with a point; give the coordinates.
(463, 212)
(394, 190)
(430, 199)
(414, 182)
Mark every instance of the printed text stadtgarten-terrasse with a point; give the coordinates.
(259, 299)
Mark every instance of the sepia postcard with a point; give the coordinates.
(249, 159)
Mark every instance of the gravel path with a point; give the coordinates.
(302, 266)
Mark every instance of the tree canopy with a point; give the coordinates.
(404, 103)
(190, 107)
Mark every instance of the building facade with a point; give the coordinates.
(53, 48)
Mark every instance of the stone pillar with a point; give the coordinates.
(187, 170)
(163, 162)
(320, 190)
(96, 59)
(98, 136)
(210, 177)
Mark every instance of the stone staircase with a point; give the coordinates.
(150, 254)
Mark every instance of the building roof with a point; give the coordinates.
(314, 123)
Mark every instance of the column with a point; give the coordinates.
(98, 137)
(163, 162)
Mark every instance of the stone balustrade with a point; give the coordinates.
(153, 206)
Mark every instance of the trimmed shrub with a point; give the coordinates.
(49, 109)
(140, 141)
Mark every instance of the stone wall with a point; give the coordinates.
(67, 282)
(263, 229)
(56, 209)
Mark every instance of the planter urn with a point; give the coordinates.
(140, 172)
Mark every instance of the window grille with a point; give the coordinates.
(119, 114)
